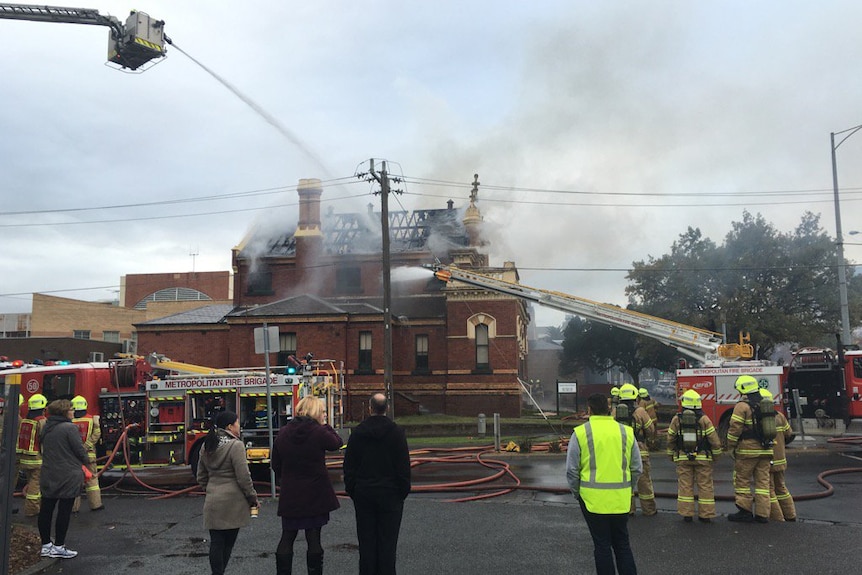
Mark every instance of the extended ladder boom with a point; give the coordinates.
(699, 344)
(60, 14)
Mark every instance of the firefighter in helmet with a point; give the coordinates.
(751, 455)
(614, 399)
(91, 433)
(28, 450)
(693, 444)
(629, 413)
(781, 503)
(649, 404)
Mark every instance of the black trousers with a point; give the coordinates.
(46, 515)
(610, 535)
(378, 522)
(221, 546)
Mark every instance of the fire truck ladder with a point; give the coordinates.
(161, 362)
(59, 14)
(700, 344)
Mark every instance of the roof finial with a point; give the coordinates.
(474, 193)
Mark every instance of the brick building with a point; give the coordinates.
(457, 349)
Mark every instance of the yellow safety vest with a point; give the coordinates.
(605, 472)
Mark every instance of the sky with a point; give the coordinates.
(600, 131)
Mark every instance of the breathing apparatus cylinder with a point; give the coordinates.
(688, 428)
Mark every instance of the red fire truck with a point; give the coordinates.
(164, 408)
(716, 386)
(828, 385)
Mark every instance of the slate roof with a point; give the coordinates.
(209, 314)
(304, 304)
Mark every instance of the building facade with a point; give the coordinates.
(457, 349)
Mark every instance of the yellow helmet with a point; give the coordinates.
(746, 384)
(628, 392)
(643, 392)
(766, 394)
(690, 400)
(20, 400)
(615, 391)
(79, 403)
(37, 401)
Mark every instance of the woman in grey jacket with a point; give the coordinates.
(63, 455)
(224, 475)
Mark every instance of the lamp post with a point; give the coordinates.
(842, 268)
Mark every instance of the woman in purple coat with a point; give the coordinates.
(306, 496)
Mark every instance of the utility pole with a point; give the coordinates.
(382, 178)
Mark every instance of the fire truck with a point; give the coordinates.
(721, 362)
(827, 386)
(163, 409)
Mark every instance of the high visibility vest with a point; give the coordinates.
(605, 473)
(28, 436)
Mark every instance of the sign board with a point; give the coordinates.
(261, 335)
(567, 387)
(218, 382)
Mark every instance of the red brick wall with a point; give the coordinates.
(138, 286)
(203, 346)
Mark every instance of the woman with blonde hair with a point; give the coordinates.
(306, 496)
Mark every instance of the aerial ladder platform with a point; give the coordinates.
(699, 344)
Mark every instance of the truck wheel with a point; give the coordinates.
(194, 458)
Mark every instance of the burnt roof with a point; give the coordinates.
(360, 233)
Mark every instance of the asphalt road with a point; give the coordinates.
(523, 532)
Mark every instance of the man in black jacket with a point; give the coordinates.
(377, 478)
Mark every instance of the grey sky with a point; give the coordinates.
(649, 99)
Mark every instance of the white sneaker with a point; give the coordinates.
(60, 551)
(46, 549)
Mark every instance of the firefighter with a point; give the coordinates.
(29, 451)
(614, 399)
(693, 444)
(781, 503)
(650, 405)
(645, 432)
(751, 456)
(91, 434)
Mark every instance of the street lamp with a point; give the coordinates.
(842, 270)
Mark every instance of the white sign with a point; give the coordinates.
(567, 387)
(261, 346)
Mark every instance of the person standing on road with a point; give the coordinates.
(751, 456)
(781, 506)
(223, 473)
(63, 459)
(28, 451)
(602, 466)
(645, 432)
(91, 434)
(693, 444)
(377, 478)
(306, 495)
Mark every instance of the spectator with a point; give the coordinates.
(306, 496)
(63, 458)
(224, 475)
(377, 478)
(602, 467)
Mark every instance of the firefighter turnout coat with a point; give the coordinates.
(752, 461)
(29, 455)
(694, 467)
(89, 428)
(781, 503)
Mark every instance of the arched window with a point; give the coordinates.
(482, 328)
(173, 294)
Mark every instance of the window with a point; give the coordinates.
(286, 346)
(81, 334)
(482, 348)
(260, 283)
(58, 386)
(364, 364)
(348, 280)
(422, 353)
(111, 336)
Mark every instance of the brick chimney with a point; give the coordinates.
(309, 237)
